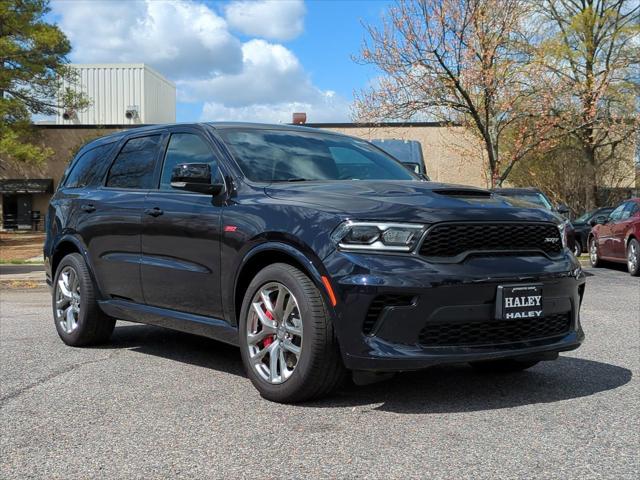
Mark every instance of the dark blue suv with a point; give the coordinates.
(316, 253)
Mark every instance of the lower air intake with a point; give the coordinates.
(378, 306)
(496, 332)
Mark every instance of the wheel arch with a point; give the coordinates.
(630, 237)
(66, 245)
(269, 253)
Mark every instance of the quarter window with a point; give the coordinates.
(134, 165)
(89, 168)
(185, 148)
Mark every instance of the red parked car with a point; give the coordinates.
(617, 238)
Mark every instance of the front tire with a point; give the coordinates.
(504, 366)
(594, 258)
(77, 316)
(287, 341)
(633, 257)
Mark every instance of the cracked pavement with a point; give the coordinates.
(156, 403)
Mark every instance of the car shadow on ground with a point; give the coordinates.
(460, 388)
(178, 346)
(449, 389)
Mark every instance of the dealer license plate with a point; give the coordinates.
(514, 302)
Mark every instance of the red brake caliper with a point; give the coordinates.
(269, 340)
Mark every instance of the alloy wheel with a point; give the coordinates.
(274, 333)
(67, 297)
(593, 251)
(632, 257)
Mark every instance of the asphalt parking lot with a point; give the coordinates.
(156, 403)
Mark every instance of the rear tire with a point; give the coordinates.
(505, 366)
(633, 257)
(594, 258)
(296, 322)
(577, 248)
(76, 314)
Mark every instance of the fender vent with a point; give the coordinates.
(377, 307)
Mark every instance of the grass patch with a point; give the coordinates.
(18, 261)
(22, 284)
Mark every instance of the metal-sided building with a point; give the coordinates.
(121, 94)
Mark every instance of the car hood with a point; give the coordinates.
(407, 201)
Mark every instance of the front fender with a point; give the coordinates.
(303, 257)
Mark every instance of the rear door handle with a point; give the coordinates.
(154, 212)
(88, 207)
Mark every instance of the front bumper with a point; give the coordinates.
(458, 297)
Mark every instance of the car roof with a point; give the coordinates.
(270, 126)
(115, 136)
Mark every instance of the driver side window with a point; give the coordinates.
(185, 148)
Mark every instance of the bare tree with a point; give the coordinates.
(471, 62)
(592, 48)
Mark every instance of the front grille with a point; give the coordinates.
(452, 240)
(379, 304)
(495, 332)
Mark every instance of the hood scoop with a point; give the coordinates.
(463, 192)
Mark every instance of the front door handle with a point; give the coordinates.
(88, 207)
(154, 212)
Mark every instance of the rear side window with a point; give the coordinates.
(134, 165)
(89, 169)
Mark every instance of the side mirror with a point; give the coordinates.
(599, 220)
(195, 177)
(562, 209)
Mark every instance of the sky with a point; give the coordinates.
(237, 59)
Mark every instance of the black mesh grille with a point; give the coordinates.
(495, 332)
(451, 240)
(380, 303)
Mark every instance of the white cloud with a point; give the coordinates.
(271, 19)
(327, 108)
(180, 39)
(271, 85)
(270, 72)
(187, 42)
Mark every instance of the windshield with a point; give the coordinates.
(287, 156)
(531, 197)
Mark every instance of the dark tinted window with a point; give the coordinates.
(133, 167)
(89, 168)
(281, 155)
(185, 148)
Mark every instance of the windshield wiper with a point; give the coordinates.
(297, 179)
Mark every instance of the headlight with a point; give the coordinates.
(392, 237)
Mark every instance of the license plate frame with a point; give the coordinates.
(516, 302)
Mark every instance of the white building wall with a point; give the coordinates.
(159, 97)
(113, 88)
